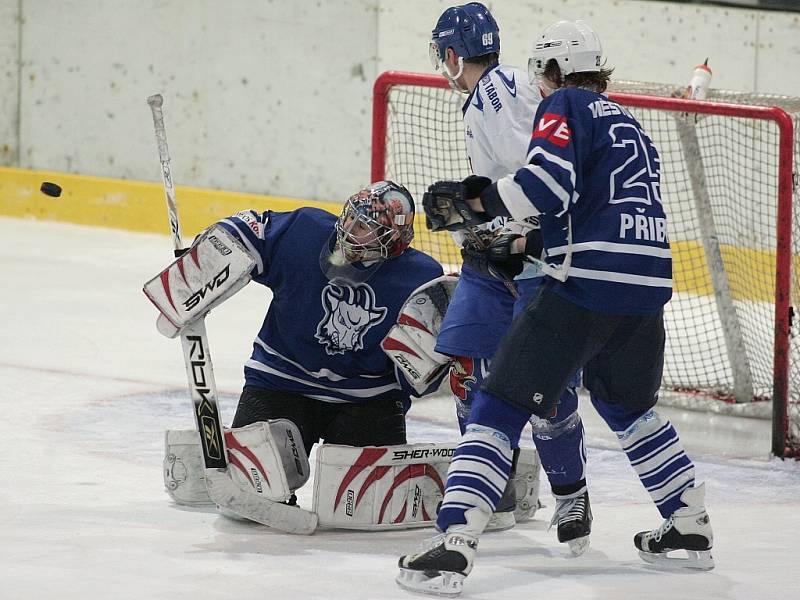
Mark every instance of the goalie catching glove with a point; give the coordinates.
(445, 204)
(411, 341)
(211, 271)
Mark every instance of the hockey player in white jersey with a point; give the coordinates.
(593, 174)
(497, 114)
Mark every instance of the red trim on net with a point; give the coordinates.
(367, 457)
(783, 294)
(380, 107)
(393, 344)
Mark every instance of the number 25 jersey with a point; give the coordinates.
(593, 172)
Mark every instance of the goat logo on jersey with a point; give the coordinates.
(349, 313)
(462, 377)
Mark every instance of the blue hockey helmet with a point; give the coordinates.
(471, 31)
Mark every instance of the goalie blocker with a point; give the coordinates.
(211, 271)
(372, 488)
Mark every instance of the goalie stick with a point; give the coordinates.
(221, 488)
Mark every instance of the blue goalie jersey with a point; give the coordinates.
(594, 174)
(319, 338)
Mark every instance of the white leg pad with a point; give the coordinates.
(527, 481)
(267, 458)
(184, 472)
(381, 487)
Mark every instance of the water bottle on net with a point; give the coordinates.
(699, 84)
(701, 78)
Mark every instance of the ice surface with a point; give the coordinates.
(87, 388)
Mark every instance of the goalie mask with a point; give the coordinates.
(376, 223)
(573, 45)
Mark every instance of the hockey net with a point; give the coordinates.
(729, 190)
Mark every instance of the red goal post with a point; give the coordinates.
(728, 186)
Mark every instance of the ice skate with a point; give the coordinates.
(573, 518)
(688, 529)
(446, 559)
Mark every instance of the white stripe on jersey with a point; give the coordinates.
(612, 247)
(515, 199)
(326, 373)
(355, 393)
(243, 238)
(556, 188)
(621, 277)
(564, 164)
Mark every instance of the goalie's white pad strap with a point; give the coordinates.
(267, 458)
(381, 487)
(184, 472)
(411, 341)
(214, 268)
(527, 482)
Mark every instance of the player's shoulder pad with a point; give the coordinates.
(308, 214)
(304, 220)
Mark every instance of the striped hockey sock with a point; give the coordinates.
(656, 454)
(477, 476)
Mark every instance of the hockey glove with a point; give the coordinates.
(446, 207)
(503, 263)
(496, 260)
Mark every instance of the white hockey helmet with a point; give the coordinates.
(572, 44)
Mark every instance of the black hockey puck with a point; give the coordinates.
(51, 189)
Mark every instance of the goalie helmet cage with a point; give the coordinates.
(728, 188)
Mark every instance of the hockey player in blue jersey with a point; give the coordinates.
(593, 180)
(497, 116)
(318, 369)
(337, 285)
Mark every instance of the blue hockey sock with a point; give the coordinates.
(479, 470)
(654, 451)
(559, 441)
